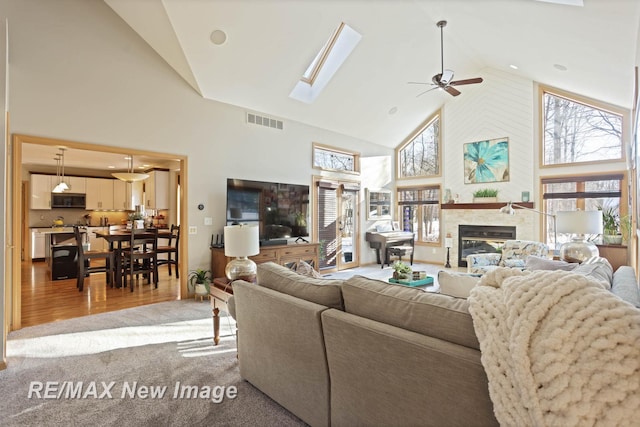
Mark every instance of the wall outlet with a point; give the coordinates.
(433, 250)
(193, 229)
(208, 221)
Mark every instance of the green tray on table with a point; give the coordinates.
(422, 282)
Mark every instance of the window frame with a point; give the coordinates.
(435, 201)
(580, 195)
(354, 154)
(420, 129)
(623, 113)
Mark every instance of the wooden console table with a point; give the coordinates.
(287, 255)
(617, 255)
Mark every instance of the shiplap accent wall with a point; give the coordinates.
(501, 106)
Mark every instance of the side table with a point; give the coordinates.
(220, 292)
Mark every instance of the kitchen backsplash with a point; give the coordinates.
(45, 218)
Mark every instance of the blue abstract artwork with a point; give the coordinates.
(486, 161)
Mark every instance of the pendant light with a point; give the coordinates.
(130, 176)
(56, 188)
(62, 186)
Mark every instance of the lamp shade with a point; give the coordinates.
(579, 222)
(241, 240)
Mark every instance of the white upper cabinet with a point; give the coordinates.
(41, 186)
(99, 194)
(77, 184)
(127, 195)
(156, 190)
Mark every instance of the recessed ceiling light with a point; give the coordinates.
(218, 37)
(393, 110)
(111, 167)
(515, 67)
(560, 67)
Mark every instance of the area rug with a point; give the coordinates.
(153, 365)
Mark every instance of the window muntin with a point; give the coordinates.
(577, 132)
(581, 192)
(331, 159)
(419, 212)
(420, 155)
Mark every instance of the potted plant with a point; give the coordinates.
(485, 195)
(611, 227)
(401, 271)
(137, 220)
(199, 281)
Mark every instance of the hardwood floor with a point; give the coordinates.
(44, 300)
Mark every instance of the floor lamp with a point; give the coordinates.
(508, 209)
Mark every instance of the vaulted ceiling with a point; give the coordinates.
(590, 50)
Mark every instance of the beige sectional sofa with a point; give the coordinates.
(360, 352)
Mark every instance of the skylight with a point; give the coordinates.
(326, 63)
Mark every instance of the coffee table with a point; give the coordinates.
(220, 291)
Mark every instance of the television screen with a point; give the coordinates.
(281, 210)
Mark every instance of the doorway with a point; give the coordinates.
(337, 219)
(19, 205)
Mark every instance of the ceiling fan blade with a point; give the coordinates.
(452, 91)
(428, 90)
(466, 82)
(418, 83)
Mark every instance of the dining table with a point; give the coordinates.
(115, 239)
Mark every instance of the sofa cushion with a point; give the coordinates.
(457, 284)
(326, 292)
(436, 315)
(598, 268)
(539, 263)
(625, 286)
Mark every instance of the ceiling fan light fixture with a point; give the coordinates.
(446, 77)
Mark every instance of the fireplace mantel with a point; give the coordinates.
(496, 206)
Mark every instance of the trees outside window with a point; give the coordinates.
(419, 212)
(334, 159)
(578, 132)
(419, 155)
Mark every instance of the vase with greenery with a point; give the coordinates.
(199, 281)
(401, 271)
(485, 195)
(611, 227)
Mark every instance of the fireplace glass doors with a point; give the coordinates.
(480, 239)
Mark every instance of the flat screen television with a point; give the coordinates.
(281, 210)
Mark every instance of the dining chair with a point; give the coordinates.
(141, 257)
(171, 250)
(86, 256)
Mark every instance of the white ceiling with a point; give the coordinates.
(271, 42)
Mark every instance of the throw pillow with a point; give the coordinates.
(598, 268)
(457, 285)
(538, 263)
(306, 269)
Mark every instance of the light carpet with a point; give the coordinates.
(111, 369)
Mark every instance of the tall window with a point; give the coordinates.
(575, 131)
(419, 155)
(419, 212)
(587, 193)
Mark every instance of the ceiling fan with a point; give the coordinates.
(444, 79)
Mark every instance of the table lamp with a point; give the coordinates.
(579, 223)
(241, 241)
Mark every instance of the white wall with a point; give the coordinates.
(80, 73)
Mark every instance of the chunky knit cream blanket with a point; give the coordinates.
(558, 349)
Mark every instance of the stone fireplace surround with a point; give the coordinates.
(455, 214)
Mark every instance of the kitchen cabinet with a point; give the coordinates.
(37, 244)
(156, 190)
(99, 194)
(127, 195)
(77, 184)
(41, 186)
(97, 243)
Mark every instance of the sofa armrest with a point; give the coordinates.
(476, 261)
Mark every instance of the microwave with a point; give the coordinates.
(68, 200)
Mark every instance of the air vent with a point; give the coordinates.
(256, 119)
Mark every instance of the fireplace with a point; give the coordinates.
(475, 239)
